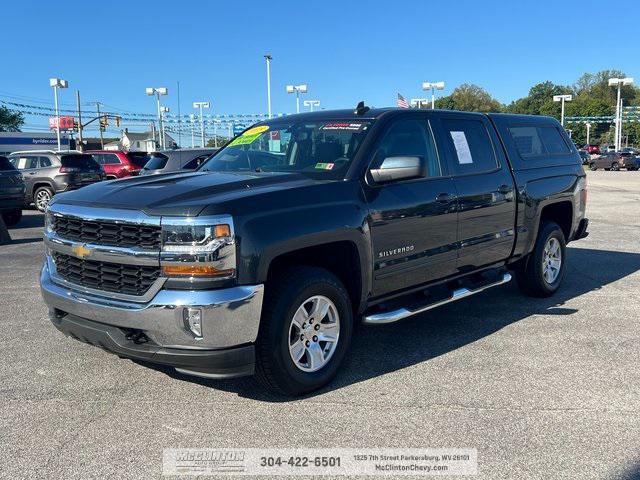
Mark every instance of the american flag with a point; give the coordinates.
(401, 102)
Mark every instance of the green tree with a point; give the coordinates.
(470, 98)
(10, 120)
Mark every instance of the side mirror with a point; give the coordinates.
(398, 168)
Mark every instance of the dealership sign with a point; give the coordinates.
(66, 123)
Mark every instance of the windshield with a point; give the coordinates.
(323, 148)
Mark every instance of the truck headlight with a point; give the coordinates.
(198, 247)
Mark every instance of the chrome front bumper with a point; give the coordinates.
(230, 316)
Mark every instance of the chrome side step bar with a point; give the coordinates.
(459, 294)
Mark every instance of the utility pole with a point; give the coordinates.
(79, 122)
(268, 58)
(100, 126)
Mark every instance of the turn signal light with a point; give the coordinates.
(222, 230)
(195, 271)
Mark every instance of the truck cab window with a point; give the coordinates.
(469, 145)
(410, 138)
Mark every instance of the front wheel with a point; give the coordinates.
(42, 198)
(305, 331)
(593, 167)
(615, 167)
(543, 271)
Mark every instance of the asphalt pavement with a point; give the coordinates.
(541, 388)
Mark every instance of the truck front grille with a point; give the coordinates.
(110, 277)
(146, 237)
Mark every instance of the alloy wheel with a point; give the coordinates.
(551, 260)
(313, 333)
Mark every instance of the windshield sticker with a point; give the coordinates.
(350, 126)
(324, 166)
(462, 147)
(249, 136)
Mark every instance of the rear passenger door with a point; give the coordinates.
(485, 188)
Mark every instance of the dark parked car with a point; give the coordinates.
(47, 172)
(11, 192)
(118, 164)
(262, 261)
(614, 161)
(168, 161)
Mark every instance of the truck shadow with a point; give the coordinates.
(378, 350)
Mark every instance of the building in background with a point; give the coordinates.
(16, 141)
(138, 142)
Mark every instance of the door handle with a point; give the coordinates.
(443, 198)
(505, 189)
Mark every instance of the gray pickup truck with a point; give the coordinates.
(262, 260)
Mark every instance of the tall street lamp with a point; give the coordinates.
(164, 110)
(433, 86)
(311, 104)
(619, 82)
(157, 92)
(562, 99)
(297, 89)
(192, 119)
(201, 105)
(268, 59)
(57, 83)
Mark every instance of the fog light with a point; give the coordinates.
(193, 321)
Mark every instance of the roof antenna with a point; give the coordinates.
(361, 109)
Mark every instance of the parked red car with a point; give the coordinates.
(118, 164)
(592, 149)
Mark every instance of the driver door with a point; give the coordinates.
(413, 222)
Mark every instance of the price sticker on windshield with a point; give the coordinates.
(249, 136)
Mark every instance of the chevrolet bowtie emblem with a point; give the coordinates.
(81, 251)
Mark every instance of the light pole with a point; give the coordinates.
(418, 102)
(311, 104)
(163, 110)
(297, 89)
(588, 125)
(562, 99)
(433, 86)
(57, 83)
(201, 105)
(619, 82)
(192, 118)
(157, 92)
(268, 59)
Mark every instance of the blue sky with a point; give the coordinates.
(345, 51)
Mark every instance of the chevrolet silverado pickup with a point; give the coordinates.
(261, 261)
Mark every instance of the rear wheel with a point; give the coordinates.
(543, 271)
(615, 167)
(593, 167)
(305, 331)
(42, 197)
(12, 217)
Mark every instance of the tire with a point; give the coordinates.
(531, 275)
(615, 167)
(12, 218)
(295, 288)
(593, 167)
(42, 197)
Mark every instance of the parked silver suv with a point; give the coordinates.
(47, 172)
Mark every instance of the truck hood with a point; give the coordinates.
(183, 194)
